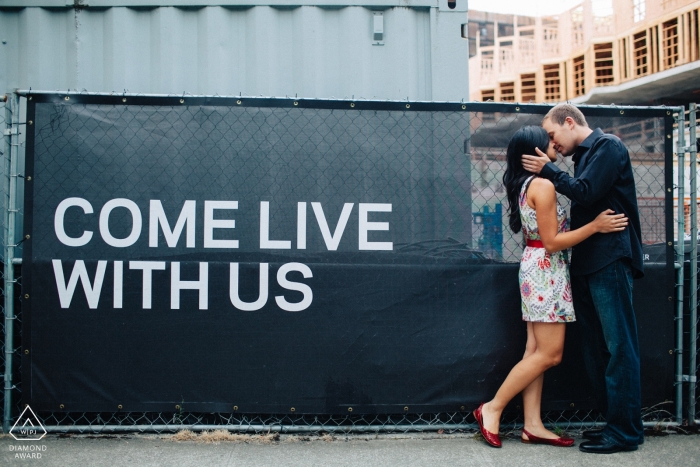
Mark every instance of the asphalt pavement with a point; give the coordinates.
(674, 450)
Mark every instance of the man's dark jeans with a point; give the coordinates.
(603, 306)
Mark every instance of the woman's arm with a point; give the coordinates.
(542, 197)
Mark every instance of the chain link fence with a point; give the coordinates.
(477, 229)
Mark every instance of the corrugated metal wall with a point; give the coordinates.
(309, 51)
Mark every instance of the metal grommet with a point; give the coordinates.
(292, 409)
(670, 352)
(296, 103)
(119, 407)
(238, 102)
(29, 179)
(26, 352)
(622, 112)
(123, 99)
(668, 189)
(177, 407)
(670, 299)
(517, 109)
(571, 405)
(464, 107)
(668, 136)
(30, 97)
(349, 409)
(26, 295)
(67, 98)
(30, 122)
(352, 104)
(670, 243)
(408, 106)
(235, 407)
(405, 409)
(27, 237)
(461, 408)
(182, 101)
(61, 406)
(668, 112)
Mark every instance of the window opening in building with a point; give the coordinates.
(527, 46)
(487, 65)
(603, 63)
(526, 21)
(654, 48)
(506, 60)
(577, 26)
(552, 83)
(579, 76)
(505, 29)
(602, 17)
(508, 92)
(640, 10)
(486, 34)
(670, 43)
(550, 35)
(528, 87)
(625, 63)
(640, 53)
(694, 35)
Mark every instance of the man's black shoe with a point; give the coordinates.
(595, 435)
(592, 434)
(603, 446)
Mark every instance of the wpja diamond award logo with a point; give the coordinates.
(28, 427)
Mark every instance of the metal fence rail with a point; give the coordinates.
(687, 254)
(693, 330)
(492, 125)
(6, 126)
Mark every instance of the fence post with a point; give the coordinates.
(680, 263)
(10, 218)
(692, 378)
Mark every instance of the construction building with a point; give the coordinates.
(636, 52)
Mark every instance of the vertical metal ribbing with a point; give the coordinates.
(692, 144)
(10, 218)
(680, 261)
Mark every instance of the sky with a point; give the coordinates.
(523, 7)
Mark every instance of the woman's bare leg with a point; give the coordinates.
(548, 350)
(532, 397)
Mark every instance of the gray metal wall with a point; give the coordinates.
(231, 48)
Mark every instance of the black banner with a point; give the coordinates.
(272, 255)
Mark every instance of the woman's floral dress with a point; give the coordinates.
(545, 287)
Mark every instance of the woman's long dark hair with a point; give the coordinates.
(524, 141)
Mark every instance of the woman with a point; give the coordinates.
(545, 289)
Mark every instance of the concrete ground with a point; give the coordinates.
(674, 450)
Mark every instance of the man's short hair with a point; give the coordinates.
(559, 112)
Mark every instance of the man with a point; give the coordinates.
(602, 268)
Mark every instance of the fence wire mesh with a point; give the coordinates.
(480, 231)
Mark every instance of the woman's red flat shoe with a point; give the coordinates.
(562, 442)
(493, 439)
